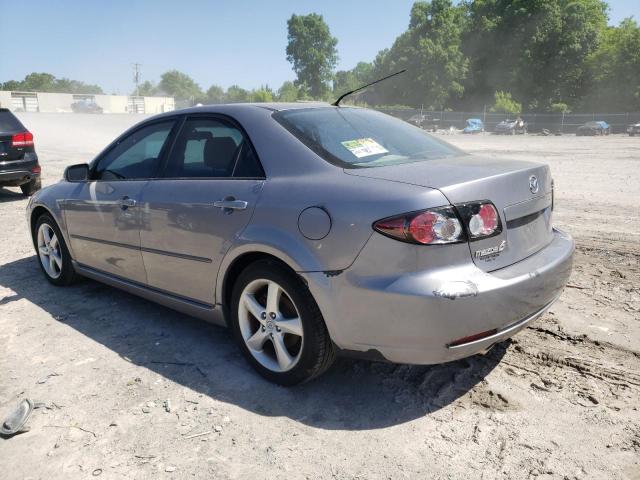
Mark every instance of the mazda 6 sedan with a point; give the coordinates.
(311, 230)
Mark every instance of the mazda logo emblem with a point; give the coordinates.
(533, 184)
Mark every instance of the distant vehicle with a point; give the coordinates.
(19, 165)
(634, 129)
(511, 127)
(474, 125)
(426, 122)
(86, 106)
(428, 255)
(594, 128)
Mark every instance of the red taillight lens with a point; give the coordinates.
(434, 226)
(481, 218)
(24, 139)
(36, 169)
(484, 222)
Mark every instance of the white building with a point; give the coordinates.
(61, 102)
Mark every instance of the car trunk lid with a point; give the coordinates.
(521, 192)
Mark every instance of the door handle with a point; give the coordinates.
(127, 202)
(230, 204)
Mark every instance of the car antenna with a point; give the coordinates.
(337, 102)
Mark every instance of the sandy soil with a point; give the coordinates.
(128, 386)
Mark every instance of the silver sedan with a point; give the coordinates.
(311, 230)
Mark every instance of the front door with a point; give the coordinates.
(209, 189)
(103, 215)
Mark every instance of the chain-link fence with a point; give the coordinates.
(554, 122)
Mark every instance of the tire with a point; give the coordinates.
(62, 273)
(306, 356)
(32, 187)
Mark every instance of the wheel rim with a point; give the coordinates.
(49, 251)
(270, 325)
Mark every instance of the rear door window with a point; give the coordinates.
(211, 148)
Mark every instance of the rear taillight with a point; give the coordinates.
(480, 218)
(23, 139)
(36, 169)
(427, 227)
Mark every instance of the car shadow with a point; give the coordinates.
(10, 196)
(352, 395)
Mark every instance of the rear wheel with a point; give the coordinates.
(53, 255)
(32, 187)
(278, 325)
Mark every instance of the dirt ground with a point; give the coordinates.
(134, 390)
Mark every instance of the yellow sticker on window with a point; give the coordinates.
(364, 147)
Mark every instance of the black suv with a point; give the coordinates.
(18, 160)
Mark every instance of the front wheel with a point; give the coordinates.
(53, 255)
(278, 325)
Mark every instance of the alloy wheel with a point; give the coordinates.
(49, 251)
(270, 325)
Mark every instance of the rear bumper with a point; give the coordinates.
(415, 317)
(17, 177)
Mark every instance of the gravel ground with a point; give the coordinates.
(132, 389)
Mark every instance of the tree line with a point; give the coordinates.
(503, 55)
(46, 82)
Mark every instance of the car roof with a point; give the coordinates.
(273, 106)
(238, 108)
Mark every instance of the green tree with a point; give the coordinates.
(39, 82)
(559, 108)
(347, 80)
(216, 94)
(288, 92)
(533, 48)
(146, 89)
(615, 70)
(180, 85)
(236, 94)
(261, 95)
(312, 52)
(46, 82)
(11, 85)
(503, 103)
(431, 52)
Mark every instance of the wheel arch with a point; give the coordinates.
(37, 211)
(235, 266)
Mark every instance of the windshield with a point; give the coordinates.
(360, 138)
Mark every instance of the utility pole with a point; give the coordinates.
(136, 77)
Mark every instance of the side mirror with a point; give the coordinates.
(77, 173)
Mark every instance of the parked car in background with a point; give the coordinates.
(86, 106)
(311, 230)
(593, 128)
(474, 125)
(511, 127)
(634, 129)
(426, 122)
(19, 165)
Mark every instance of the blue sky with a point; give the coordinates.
(221, 42)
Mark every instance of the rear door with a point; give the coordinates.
(104, 216)
(209, 189)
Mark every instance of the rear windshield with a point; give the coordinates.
(9, 123)
(361, 138)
